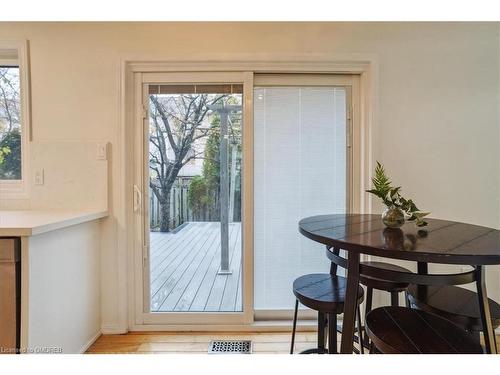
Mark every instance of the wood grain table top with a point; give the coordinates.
(441, 241)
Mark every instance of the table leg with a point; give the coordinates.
(332, 333)
(484, 308)
(321, 331)
(422, 268)
(350, 303)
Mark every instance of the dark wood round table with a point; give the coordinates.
(442, 241)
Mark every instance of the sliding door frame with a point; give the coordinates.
(143, 314)
(132, 73)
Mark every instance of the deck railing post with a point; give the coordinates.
(224, 111)
(224, 194)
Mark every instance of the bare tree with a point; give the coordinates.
(10, 129)
(176, 122)
(9, 99)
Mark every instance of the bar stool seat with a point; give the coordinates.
(456, 304)
(324, 293)
(400, 330)
(380, 284)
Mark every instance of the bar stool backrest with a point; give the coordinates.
(412, 278)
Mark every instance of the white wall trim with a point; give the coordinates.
(88, 344)
(112, 329)
(264, 326)
(366, 65)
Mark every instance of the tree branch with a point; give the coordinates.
(164, 118)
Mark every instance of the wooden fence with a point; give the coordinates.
(179, 208)
(180, 212)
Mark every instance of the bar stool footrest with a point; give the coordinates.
(314, 351)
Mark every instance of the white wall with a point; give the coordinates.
(64, 288)
(74, 177)
(436, 126)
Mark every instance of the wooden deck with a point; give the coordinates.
(184, 269)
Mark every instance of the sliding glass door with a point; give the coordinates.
(227, 164)
(301, 153)
(192, 198)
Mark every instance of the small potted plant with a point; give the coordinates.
(398, 208)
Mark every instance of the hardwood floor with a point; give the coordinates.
(197, 342)
(190, 342)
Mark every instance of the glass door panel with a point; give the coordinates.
(300, 169)
(194, 155)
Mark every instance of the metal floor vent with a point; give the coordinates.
(230, 347)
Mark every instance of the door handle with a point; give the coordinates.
(137, 198)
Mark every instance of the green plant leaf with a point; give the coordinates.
(395, 191)
(381, 183)
(391, 196)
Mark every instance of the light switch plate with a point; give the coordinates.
(39, 177)
(102, 151)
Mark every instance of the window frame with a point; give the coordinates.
(19, 189)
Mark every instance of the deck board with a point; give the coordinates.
(186, 300)
(231, 287)
(170, 248)
(202, 301)
(184, 269)
(174, 248)
(217, 292)
(190, 269)
(183, 256)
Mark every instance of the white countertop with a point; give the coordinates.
(31, 222)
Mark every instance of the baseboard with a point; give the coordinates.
(112, 329)
(261, 326)
(89, 343)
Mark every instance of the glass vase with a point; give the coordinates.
(393, 217)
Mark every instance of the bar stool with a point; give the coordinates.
(372, 282)
(393, 287)
(324, 293)
(456, 304)
(401, 330)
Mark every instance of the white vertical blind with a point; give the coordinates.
(300, 170)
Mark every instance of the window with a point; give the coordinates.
(14, 124)
(10, 124)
